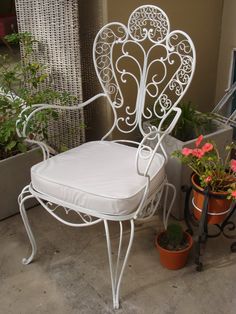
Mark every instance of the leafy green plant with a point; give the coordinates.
(204, 160)
(23, 84)
(173, 238)
(191, 123)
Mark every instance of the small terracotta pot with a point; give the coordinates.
(174, 259)
(218, 204)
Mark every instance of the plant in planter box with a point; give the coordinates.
(190, 124)
(22, 84)
(213, 173)
(174, 246)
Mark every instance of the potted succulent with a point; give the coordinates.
(211, 172)
(190, 125)
(174, 246)
(22, 84)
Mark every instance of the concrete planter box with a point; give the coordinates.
(15, 174)
(179, 174)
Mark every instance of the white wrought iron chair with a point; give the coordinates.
(119, 180)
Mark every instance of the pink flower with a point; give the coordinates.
(186, 151)
(208, 179)
(233, 194)
(197, 152)
(199, 140)
(233, 165)
(207, 147)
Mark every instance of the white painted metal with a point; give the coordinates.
(222, 110)
(146, 24)
(24, 196)
(158, 91)
(116, 274)
(231, 118)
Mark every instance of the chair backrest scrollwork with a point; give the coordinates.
(145, 54)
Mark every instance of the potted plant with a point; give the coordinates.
(190, 125)
(22, 84)
(211, 172)
(174, 246)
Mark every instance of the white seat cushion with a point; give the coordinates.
(99, 176)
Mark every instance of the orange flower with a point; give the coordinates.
(197, 152)
(199, 140)
(233, 165)
(208, 179)
(207, 147)
(213, 171)
(186, 151)
(233, 194)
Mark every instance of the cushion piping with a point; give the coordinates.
(99, 195)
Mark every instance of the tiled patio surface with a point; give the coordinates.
(70, 274)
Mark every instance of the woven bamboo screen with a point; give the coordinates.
(56, 25)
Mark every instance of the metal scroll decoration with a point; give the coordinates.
(147, 57)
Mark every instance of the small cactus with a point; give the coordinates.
(175, 235)
(174, 238)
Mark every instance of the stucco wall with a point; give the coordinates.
(202, 21)
(227, 44)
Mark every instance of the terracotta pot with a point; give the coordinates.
(174, 259)
(218, 204)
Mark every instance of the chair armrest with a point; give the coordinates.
(29, 112)
(145, 151)
(174, 121)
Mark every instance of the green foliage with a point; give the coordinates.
(190, 124)
(27, 79)
(174, 234)
(174, 238)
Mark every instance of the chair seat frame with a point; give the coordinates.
(146, 23)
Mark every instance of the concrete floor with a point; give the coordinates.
(70, 273)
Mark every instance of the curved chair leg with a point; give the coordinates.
(166, 211)
(118, 270)
(24, 216)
